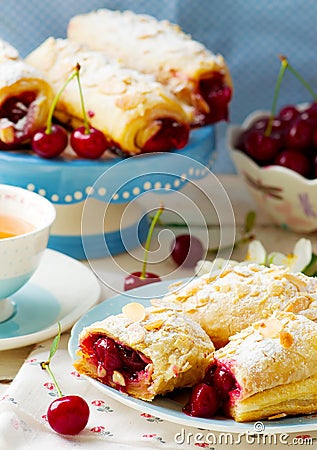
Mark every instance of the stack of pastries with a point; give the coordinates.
(254, 324)
(145, 83)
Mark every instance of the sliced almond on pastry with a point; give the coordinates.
(134, 311)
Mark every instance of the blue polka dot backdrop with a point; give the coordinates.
(250, 34)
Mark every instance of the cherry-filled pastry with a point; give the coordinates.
(268, 370)
(145, 352)
(25, 97)
(135, 112)
(198, 77)
(226, 302)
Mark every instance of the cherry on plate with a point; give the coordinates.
(203, 402)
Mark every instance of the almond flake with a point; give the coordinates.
(241, 290)
(113, 87)
(225, 288)
(118, 378)
(300, 284)
(101, 372)
(277, 290)
(7, 134)
(154, 325)
(128, 101)
(134, 311)
(286, 339)
(270, 328)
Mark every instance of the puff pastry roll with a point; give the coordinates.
(198, 77)
(273, 369)
(226, 302)
(25, 98)
(133, 110)
(145, 351)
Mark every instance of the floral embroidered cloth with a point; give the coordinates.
(23, 423)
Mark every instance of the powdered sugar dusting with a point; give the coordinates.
(259, 363)
(229, 301)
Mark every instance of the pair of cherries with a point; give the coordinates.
(86, 141)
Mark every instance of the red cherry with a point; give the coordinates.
(288, 113)
(187, 250)
(260, 147)
(315, 166)
(52, 144)
(223, 381)
(300, 135)
(209, 375)
(134, 280)
(89, 145)
(68, 415)
(311, 111)
(203, 402)
(217, 95)
(171, 135)
(294, 160)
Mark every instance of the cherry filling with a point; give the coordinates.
(14, 111)
(15, 108)
(213, 394)
(217, 95)
(171, 135)
(117, 365)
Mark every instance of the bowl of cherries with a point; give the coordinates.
(276, 154)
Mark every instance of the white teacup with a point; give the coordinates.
(25, 222)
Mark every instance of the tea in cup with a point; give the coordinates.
(25, 222)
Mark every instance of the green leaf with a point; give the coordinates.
(55, 343)
(311, 269)
(249, 221)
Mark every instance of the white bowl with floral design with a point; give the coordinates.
(288, 198)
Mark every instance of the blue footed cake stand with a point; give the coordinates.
(106, 186)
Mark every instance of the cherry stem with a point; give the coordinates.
(284, 64)
(85, 117)
(54, 102)
(301, 79)
(45, 365)
(148, 241)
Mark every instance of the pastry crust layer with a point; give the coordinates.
(227, 302)
(124, 104)
(178, 349)
(143, 43)
(274, 364)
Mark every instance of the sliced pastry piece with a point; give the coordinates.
(228, 301)
(25, 98)
(145, 352)
(134, 111)
(198, 77)
(269, 369)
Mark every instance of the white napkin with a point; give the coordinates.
(111, 424)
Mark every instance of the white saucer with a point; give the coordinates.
(61, 290)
